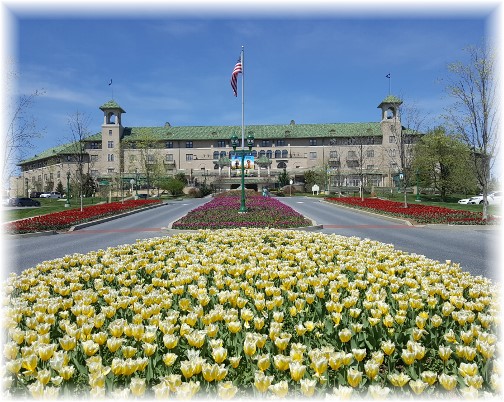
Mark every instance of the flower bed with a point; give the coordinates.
(223, 212)
(254, 312)
(418, 213)
(65, 219)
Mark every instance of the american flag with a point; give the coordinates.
(234, 76)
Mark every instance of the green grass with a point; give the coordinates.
(47, 206)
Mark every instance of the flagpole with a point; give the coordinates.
(243, 99)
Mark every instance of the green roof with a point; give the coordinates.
(286, 131)
(391, 99)
(54, 151)
(112, 104)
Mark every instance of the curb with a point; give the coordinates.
(85, 224)
(388, 218)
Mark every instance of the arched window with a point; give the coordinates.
(216, 155)
(269, 154)
(254, 153)
(262, 152)
(216, 166)
(390, 113)
(223, 154)
(285, 153)
(281, 165)
(278, 154)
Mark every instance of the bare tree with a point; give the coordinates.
(474, 114)
(404, 141)
(78, 124)
(21, 132)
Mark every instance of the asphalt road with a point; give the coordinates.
(475, 248)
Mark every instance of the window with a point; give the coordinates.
(189, 157)
(269, 154)
(221, 143)
(223, 154)
(313, 142)
(189, 144)
(169, 144)
(313, 155)
(392, 153)
(95, 145)
(278, 154)
(111, 144)
(280, 143)
(110, 170)
(58, 175)
(94, 158)
(169, 157)
(333, 154)
(110, 157)
(369, 167)
(51, 176)
(265, 143)
(285, 153)
(151, 159)
(95, 173)
(391, 139)
(110, 132)
(216, 154)
(370, 153)
(352, 154)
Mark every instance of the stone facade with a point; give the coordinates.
(348, 152)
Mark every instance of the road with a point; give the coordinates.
(475, 248)
(469, 246)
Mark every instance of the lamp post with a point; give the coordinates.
(67, 204)
(242, 152)
(136, 183)
(417, 198)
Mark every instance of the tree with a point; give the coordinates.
(283, 178)
(149, 157)
(443, 163)
(474, 114)
(78, 124)
(20, 133)
(59, 187)
(405, 138)
(173, 185)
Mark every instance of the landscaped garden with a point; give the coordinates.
(223, 212)
(255, 312)
(415, 212)
(70, 217)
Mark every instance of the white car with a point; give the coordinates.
(493, 198)
(52, 194)
(464, 201)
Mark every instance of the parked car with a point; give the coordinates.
(52, 194)
(493, 198)
(36, 194)
(24, 202)
(464, 201)
(143, 196)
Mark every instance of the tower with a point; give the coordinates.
(112, 132)
(390, 120)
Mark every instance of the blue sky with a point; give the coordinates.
(320, 65)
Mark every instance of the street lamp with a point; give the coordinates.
(417, 198)
(67, 204)
(136, 183)
(242, 152)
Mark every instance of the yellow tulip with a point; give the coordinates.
(281, 362)
(359, 354)
(448, 382)
(44, 376)
(66, 372)
(235, 361)
(468, 369)
(261, 381)
(408, 357)
(226, 390)
(345, 335)
(371, 369)
(354, 377)
(429, 377)
(297, 370)
(128, 351)
(418, 386)
(388, 347)
(113, 343)
(280, 389)
(398, 380)
(234, 326)
(308, 387)
(263, 362)
(444, 352)
(11, 350)
(219, 354)
(169, 358)
(137, 386)
(14, 366)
